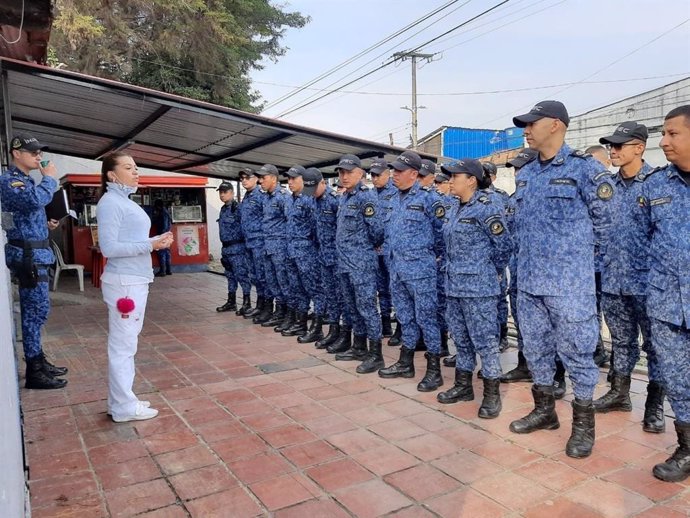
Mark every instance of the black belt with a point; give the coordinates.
(230, 243)
(22, 243)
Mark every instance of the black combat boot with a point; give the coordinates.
(386, 328)
(582, 437)
(358, 351)
(450, 361)
(246, 306)
(266, 312)
(503, 338)
(332, 336)
(461, 391)
(343, 342)
(256, 310)
(396, 339)
(403, 368)
(374, 360)
(654, 421)
(299, 328)
(491, 404)
(444, 346)
(677, 466)
(617, 398)
(38, 378)
(55, 371)
(315, 332)
(432, 377)
(519, 373)
(230, 305)
(288, 321)
(600, 353)
(543, 416)
(277, 316)
(559, 380)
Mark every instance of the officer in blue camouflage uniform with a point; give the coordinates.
(233, 253)
(385, 190)
(415, 244)
(359, 233)
(27, 252)
(251, 216)
(478, 247)
(664, 208)
(329, 303)
(303, 260)
(162, 220)
(563, 202)
(276, 207)
(520, 372)
(624, 280)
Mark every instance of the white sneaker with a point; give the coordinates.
(142, 402)
(141, 414)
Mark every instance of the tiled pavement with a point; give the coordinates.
(253, 424)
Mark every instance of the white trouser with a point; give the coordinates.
(123, 336)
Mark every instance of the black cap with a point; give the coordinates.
(428, 167)
(267, 169)
(468, 166)
(247, 171)
(25, 142)
(312, 178)
(490, 168)
(523, 158)
(441, 177)
(625, 132)
(225, 186)
(295, 171)
(378, 166)
(552, 109)
(349, 162)
(407, 160)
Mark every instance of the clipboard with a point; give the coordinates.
(58, 207)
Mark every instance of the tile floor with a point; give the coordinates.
(254, 424)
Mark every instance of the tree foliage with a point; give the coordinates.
(202, 49)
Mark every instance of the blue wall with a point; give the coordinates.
(477, 143)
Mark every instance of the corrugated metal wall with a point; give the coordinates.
(476, 143)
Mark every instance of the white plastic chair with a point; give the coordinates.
(60, 265)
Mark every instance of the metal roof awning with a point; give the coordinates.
(94, 180)
(88, 117)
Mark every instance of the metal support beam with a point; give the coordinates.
(120, 143)
(6, 134)
(363, 156)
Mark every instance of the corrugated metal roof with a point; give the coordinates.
(84, 116)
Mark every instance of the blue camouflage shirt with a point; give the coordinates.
(276, 207)
(664, 206)
(385, 195)
(359, 230)
(230, 228)
(626, 266)
(326, 224)
(26, 202)
(252, 213)
(563, 214)
(301, 226)
(478, 246)
(414, 234)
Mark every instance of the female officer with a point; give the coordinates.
(478, 247)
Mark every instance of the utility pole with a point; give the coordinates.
(413, 56)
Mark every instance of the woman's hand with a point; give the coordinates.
(163, 241)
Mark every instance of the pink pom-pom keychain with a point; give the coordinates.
(125, 305)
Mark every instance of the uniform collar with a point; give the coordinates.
(14, 169)
(562, 154)
(639, 176)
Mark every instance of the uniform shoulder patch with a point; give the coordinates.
(369, 210)
(579, 153)
(496, 227)
(17, 183)
(605, 191)
(440, 211)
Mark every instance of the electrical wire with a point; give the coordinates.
(21, 27)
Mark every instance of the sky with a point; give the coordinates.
(609, 49)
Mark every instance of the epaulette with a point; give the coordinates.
(333, 193)
(579, 153)
(363, 188)
(644, 176)
(426, 188)
(484, 199)
(501, 191)
(601, 175)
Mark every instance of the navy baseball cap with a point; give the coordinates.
(247, 171)
(468, 166)
(428, 167)
(625, 132)
(267, 169)
(490, 168)
(378, 166)
(441, 177)
(407, 160)
(552, 109)
(349, 162)
(295, 171)
(225, 186)
(312, 178)
(25, 142)
(523, 158)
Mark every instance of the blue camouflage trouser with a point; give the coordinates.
(330, 303)
(502, 303)
(383, 287)
(236, 271)
(277, 276)
(672, 345)
(304, 281)
(626, 317)
(35, 306)
(359, 302)
(512, 292)
(566, 325)
(442, 300)
(256, 269)
(472, 321)
(415, 303)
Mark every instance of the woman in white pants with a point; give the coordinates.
(123, 235)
